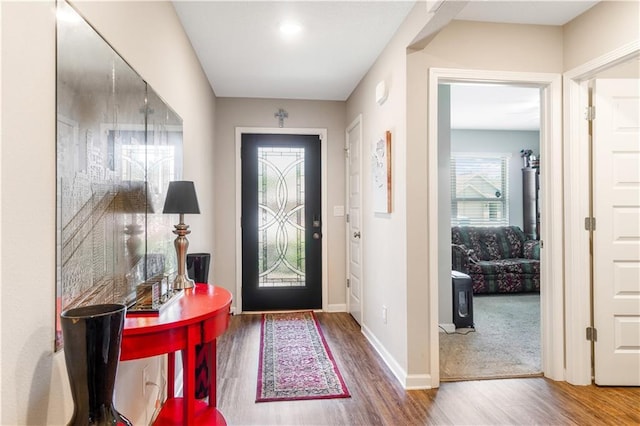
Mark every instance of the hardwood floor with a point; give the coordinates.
(378, 399)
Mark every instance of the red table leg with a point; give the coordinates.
(188, 374)
(171, 374)
(212, 373)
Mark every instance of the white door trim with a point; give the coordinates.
(354, 123)
(551, 293)
(325, 234)
(577, 190)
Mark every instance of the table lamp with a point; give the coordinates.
(181, 199)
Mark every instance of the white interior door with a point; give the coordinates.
(354, 200)
(616, 252)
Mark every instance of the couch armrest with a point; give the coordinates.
(531, 249)
(461, 256)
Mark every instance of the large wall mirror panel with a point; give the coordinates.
(118, 147)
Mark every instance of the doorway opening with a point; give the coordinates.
(551, 294)
(493, 141)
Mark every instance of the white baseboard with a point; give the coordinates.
(337, 307)
(408, 381)
(388, 359)
(418, 382)
(447, 328)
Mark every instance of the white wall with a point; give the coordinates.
(501, 141)
(384, 236)
(34, 384)
(232, 113)
(605, 27)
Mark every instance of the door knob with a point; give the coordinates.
(316, 235)
(356, 234)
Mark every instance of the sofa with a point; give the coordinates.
(498, 259)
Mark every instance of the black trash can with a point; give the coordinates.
(462, 299)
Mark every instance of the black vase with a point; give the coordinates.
(92, 336)
(198, 266)
(198, 270)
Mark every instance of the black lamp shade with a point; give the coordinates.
(181, 198)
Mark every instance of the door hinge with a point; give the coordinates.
(592, 334)
(348, 283)
(346, 152)
(590, 113)
(348, 218)
(590, 223)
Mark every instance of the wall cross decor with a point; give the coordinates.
(281, 115)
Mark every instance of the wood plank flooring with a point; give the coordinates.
(378, 399)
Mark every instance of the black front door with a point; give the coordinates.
(281, 222)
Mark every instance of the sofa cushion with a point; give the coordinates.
(531, 249)
(505, 266)
(490, 243)
(505, 283)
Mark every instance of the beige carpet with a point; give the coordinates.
(506, 342)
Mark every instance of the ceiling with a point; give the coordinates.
(244, 54)
(541, 12)
(494, 107)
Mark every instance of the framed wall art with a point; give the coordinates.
(381, 173)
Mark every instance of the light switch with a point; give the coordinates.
(338, 210)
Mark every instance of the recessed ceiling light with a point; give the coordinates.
(289, 28)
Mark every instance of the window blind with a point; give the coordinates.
(479, 189)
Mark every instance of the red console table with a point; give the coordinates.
(199, 316)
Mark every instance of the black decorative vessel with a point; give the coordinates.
(198, 270)
(92, 336)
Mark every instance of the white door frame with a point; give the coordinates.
(551, 292)
(356, 122)
(322, 133)
(577, 193)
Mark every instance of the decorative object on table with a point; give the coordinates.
(304, 367)
(381, 173)
(198, 270)
(198, 267)
(153, 296)
(148, 294)
(181, 199)
(92, 336)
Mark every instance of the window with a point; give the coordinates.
(479, 189)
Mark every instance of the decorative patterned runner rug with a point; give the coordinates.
(295, 361)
